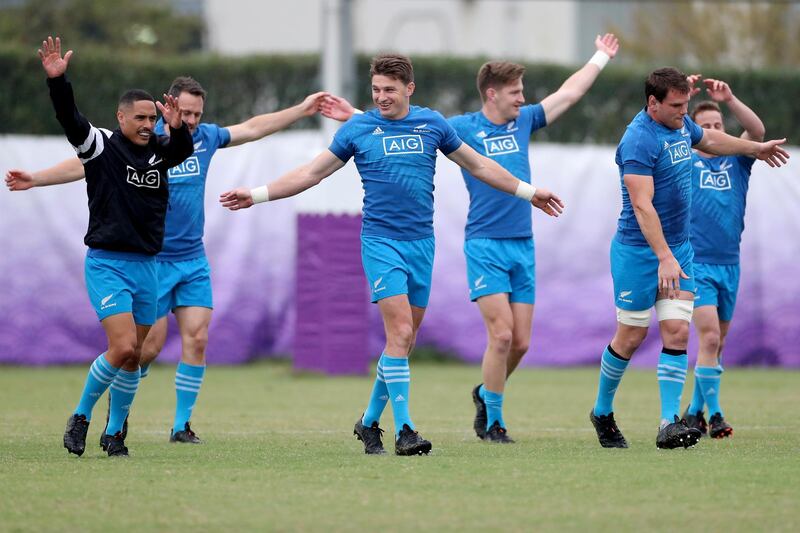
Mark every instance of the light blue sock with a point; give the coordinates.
(145, 370)
(122, 393)
(188, 379)
(100, 376)
(612, 368)
(698, 401)
(709, 380)
(378, 398)
(397, 375)
(494, 408)
(672, 365)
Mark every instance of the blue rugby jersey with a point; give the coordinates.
(719, 197)
(651, 149)
(396, 160)
(494, 214)
(183, 235)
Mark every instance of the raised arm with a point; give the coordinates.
(66, 171)
(494, 175)
(640, 191)
(262, 125)
(720, 91)
(293, 182)
(576, 85)
(719, 143)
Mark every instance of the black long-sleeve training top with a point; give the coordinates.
(127, 184)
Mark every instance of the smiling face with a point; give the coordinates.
(507, 100)
(391, 96)
(671, 110)
(137, 120)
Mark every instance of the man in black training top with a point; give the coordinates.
(126, 181)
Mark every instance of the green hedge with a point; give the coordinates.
(243, 86)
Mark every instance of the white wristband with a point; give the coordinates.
(525, 191)
(357, 111)
(600, 59)
(260, 194)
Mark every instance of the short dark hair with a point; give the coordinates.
(660, 81)
(497, 74)
(134, 95)
(186, 84)
(394, 66)
(705, 105)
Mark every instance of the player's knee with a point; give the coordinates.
(500, 338)
(402, 335)
(710, 342)
(196, 341)
(124, 349)
(519, 347)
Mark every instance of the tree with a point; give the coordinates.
(130, 25)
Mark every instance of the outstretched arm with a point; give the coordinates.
(66, 171)
(576, 85)
(720, 91)
(338, 108)
(718, 143)
(293, 182)
(262, 125)
(494, 175)
(641, 190)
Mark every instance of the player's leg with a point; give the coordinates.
(499, 321)
(522, 277)
(520, 335)
(193, 325)
(729, 286)
(706, 372)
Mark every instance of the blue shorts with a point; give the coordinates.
(183, 284)
(120, 282)
(496, 266)
(397, 267)
(634, 270)
(717, 285)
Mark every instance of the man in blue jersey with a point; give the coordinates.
(183, 272)
(498, 244)
(395, 147)
(651, 257)
(128, 194)
(719, 194)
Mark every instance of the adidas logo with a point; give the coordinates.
(377, 131)
(712, 390)
(699, 164)
(481, 134)
(384, 398)
(399, 398)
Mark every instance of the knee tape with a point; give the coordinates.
(667, 309)
(639, 319)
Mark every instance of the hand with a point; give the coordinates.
(608, 43)
(52, 62)
(336, 108)
(19, 180)
(236, 199)
(312, 103)
(718, 90)
(772, 153)
(169, 110)
(548, 202)
(692, 79)
(669, 277)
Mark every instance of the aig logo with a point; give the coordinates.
(402, 144)
(719, 181)
(190, 167)
(150, 179)
(505, 144)
(679, 152)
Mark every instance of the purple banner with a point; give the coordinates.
(45, 316)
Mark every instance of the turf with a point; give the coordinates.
(279, 455)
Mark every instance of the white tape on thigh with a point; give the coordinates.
(667, 309)
(639, 319)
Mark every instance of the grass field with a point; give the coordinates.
(280, 455)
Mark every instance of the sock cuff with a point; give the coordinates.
(614, 360)
(614, 354)
(389, 361)
(672, 351)
(707, 371)
(103, 363)
(194, 371)
(489, 396)
(128, 375)
(144, 370)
